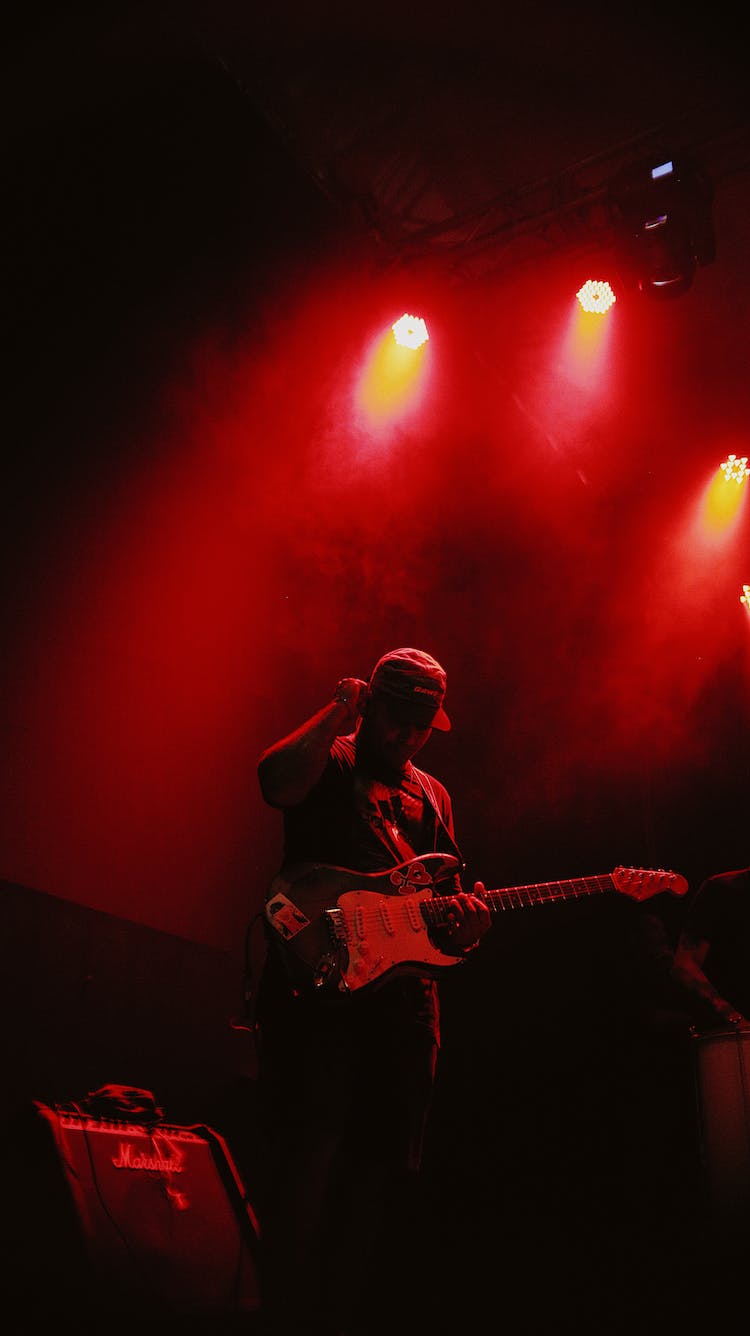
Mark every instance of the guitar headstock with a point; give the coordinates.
(641, 883)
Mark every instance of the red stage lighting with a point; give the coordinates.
(725, 497)
(735, 470)
(596, 296)
(394, 373)
(410, 331)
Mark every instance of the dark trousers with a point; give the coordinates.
(345, 1093)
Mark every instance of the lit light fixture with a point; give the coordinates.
(736, 470)
(596, 296)
(745, 597)
(410, 331)
(661, 209)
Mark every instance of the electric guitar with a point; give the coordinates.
(344, 930)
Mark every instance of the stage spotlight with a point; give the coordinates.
(661, 209)
(736, 470)
(410, 331)
(745, 597)
(596, 296)
(395, 371)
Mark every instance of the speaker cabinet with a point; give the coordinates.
(722, 1070)
(137, 1217)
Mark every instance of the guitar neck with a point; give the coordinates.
(437, 908)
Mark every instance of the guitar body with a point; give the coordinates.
(343, 930)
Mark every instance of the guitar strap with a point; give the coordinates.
(425, 784)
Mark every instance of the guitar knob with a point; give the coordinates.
(322, 972)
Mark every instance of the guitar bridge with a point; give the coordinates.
(329, 964)
(336, 925)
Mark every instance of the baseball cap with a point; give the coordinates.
(414, 684)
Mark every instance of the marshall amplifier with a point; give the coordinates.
(150, 1216)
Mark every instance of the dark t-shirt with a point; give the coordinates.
(352, 819)
(720, 915)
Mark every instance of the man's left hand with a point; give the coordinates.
(469, 918)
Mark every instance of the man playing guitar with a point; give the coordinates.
(346, 1073)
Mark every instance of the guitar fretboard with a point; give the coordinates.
(437, 908)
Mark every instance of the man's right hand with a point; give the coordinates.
(351, 694)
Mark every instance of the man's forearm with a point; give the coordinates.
(289, 769)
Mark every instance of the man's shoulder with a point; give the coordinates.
(737, 879)
(736, 876)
